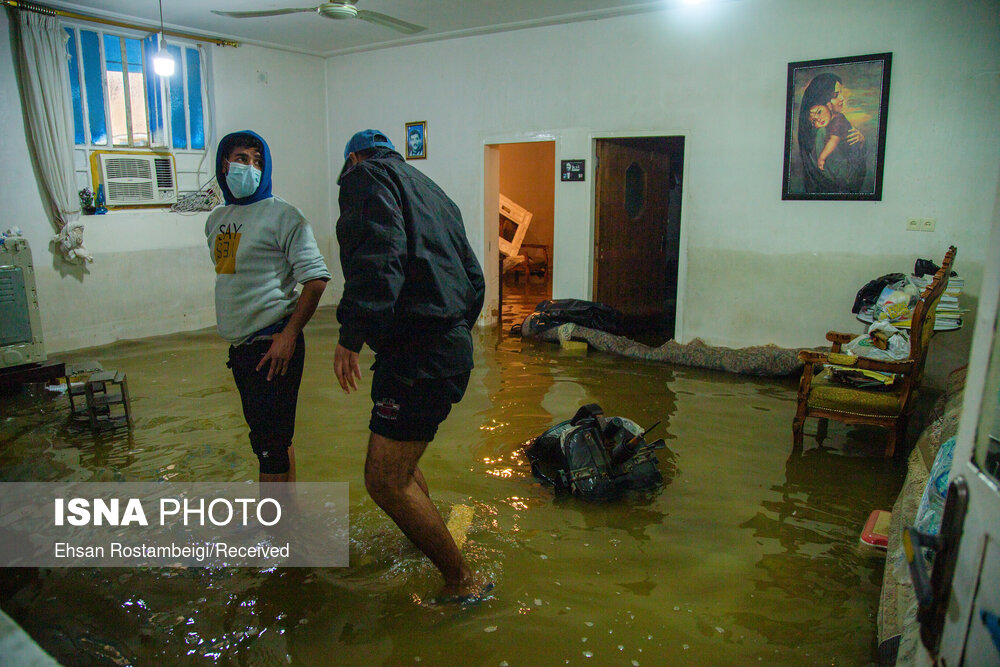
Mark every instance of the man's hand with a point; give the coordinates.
(855, 137)
(347, 368)
(280, 353)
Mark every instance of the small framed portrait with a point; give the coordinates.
(835, 120)
(416, 140)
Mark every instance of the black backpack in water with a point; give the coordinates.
(551, 314)
(595, 458)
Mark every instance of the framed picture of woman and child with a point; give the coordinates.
(835, 118)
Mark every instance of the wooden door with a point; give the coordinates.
(630, 265)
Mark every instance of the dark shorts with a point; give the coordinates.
(412, 410)
(269, 407)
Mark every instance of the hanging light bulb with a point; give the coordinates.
(163, 62)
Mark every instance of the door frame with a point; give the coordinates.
(573, 269)
(491, 226)
(982, 521)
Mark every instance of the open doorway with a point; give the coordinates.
(526, 223)
(637, 232)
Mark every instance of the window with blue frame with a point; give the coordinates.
(119, 101)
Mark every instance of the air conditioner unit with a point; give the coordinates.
(135, 179)
(20, 324)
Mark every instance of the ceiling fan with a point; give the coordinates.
(335, 10)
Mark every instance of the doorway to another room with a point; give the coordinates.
(526, 212)
(637, 227)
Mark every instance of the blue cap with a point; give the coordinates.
(366, 139)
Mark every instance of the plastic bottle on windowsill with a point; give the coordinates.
(99, 201)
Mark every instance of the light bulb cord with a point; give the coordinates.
(162, 36)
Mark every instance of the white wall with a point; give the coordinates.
(152, 273)
(755, 269)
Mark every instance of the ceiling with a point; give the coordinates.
(308, 32)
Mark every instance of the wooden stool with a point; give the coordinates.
(102, 404)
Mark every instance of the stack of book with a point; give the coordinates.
(949, 312)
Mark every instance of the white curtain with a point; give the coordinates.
(45, 95)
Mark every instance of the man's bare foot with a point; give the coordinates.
(471, 590)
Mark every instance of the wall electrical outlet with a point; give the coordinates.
(920, 224)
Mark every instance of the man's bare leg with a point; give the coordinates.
(391, 477)
(421, 482)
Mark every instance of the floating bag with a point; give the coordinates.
(551, 314)
(595, 458)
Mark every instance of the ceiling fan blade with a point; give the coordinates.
(267, 12)
(389, 22)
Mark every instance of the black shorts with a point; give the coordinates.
(412, 410)
(269, 407)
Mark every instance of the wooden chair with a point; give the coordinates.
(536, 259)
(823, 397)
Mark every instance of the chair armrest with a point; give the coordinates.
(900, 367)
(813, 357)
(838, 339)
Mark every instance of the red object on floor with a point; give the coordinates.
(876, 530)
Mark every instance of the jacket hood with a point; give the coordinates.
(263, 190)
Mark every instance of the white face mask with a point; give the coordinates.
(242, 179)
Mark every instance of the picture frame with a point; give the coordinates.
(416, 140)
(835, 126)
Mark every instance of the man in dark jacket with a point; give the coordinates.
(413, 291)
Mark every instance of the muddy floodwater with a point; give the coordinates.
(748, 555)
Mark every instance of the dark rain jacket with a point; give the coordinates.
(413, 287)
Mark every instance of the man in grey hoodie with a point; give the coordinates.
(262, 248)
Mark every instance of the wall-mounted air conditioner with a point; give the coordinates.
(137, 179)
(20, 324)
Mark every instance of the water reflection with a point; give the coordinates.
(72, 450)
(819, 502)
(809, 528)
(634, 515)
